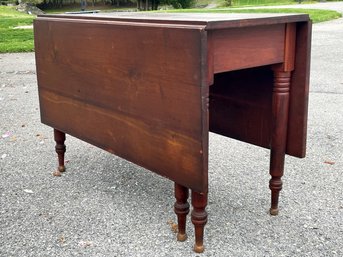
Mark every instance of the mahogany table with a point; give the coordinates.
(150, 87)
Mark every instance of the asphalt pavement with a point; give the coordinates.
(106, 206)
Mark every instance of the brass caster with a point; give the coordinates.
(61, 168)
(274, 212)
(199, 248)
(181, 237)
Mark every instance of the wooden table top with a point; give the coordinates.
(209, 20)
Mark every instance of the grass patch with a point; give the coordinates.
(251, 3)
(241, 3)
(315, 14)
(15, 40)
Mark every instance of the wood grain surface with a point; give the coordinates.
(299, 92)
(138, 92)
(240, 48)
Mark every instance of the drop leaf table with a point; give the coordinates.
(150, 87)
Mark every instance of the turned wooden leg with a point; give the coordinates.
(199, 219)
(60, 148)
(181, 208)
(280, 104)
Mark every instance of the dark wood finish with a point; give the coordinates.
(298, 109)
(210, 21)
(296, 141)
(280, 107)
(118, 99)
(60, 149)
(240, 105)
(199, 219)
(248, 47)
(181, 208)
(279, 132)
(245, 96)
(290, 38)
(149, 88)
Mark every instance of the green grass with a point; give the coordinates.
(315, 15)
(15, 40)
(241, 3)
(247, 3)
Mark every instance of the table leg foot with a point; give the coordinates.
(199, 248)
(274, 212)
(199, 219)
(60, 148)
(275, 185)
(181, 208)
(181, 237)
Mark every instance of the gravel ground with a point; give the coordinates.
(105, 206)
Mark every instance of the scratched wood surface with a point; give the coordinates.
(137, 92)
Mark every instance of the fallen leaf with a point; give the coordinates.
(329, 162)
(173, 226)
(61, 239)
